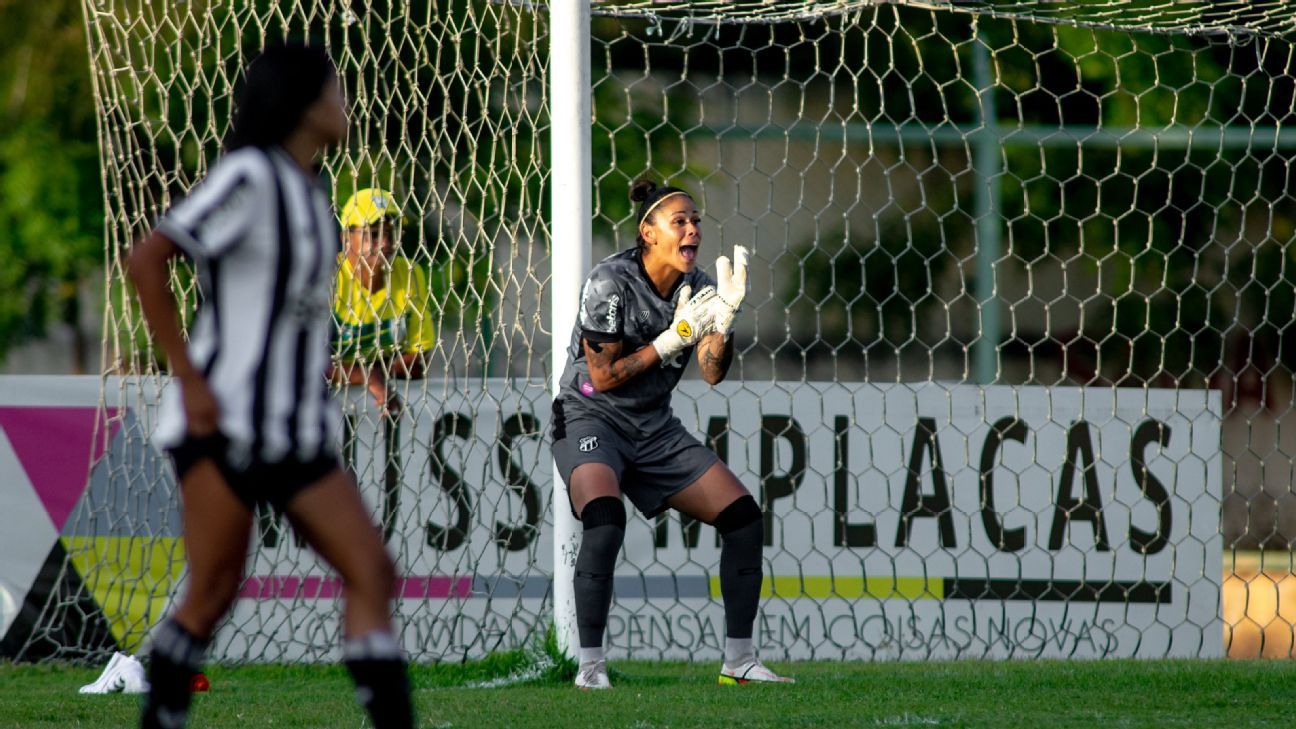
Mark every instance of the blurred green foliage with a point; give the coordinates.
(51, 204)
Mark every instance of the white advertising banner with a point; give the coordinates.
(902, 521)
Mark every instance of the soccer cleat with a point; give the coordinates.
(750, 672)
(108, 680)
(593, 677)
(134, 679)
(123, 674)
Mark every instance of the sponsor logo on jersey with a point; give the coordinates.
(231, 207)
(587, 388)
(614, 302)
(588, 443)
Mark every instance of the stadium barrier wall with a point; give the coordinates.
(905, 521)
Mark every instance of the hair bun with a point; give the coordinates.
(641, 190)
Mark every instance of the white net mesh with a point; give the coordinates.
(957, 219)
(1188, 17)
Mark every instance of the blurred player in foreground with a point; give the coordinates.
(248, 419)
(614, 432)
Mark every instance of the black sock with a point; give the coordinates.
(382, 684)
(742, 533)
(175, 657)
(604, 530)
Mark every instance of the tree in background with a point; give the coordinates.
(51, 203)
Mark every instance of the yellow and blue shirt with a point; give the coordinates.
(396, 319)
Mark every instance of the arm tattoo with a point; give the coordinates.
(608, 362)
(626, 367)
(715, 354)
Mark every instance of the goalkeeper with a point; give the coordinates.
(381, 305)
(643, 313)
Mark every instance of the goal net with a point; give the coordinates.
(1011, 378)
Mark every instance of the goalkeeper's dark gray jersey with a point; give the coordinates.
(620, 304)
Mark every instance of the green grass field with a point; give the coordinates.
(1215, 693)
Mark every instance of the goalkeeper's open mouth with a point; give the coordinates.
(688, 251)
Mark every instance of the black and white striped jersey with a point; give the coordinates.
(265, 243)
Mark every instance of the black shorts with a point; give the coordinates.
(260, 482)
(649, 469)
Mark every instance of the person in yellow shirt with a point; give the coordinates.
(381, 305)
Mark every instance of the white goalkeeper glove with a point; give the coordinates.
(694, 318)
(731, 289)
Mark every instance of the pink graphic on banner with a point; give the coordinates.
(287, 587)
(57, 446)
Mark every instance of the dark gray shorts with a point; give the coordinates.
(649, 469)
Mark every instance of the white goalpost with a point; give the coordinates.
(569, 83)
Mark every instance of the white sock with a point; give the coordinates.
(738, 651)
(589, 655)
(378, 645)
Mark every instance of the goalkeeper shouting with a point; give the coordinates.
(643, 313)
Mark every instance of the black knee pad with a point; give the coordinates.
(742, 533)
(737, 515)
(742, 530)
(605, 511)
(603, 520)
